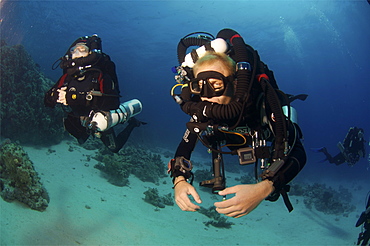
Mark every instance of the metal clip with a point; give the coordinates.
(243, 66)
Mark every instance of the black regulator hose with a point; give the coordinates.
(241, 55)
(280, 126)
(91, 59)
(185, 43)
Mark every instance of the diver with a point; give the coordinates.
(364, 220)
(352, 148)
(89, 92)
(233, 101)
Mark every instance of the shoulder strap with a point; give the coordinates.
(61, 80)
(101, 82)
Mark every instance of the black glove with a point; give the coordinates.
(51, 97)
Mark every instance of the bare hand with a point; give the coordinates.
(246, 199)
(182, 191)
(62, 95)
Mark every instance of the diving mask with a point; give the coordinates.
(209, 84)
(79, 50)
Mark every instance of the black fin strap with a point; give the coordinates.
(287, 202)
(278, 182)
(274, 196)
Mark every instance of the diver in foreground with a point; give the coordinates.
(233, 100)
(90, 88)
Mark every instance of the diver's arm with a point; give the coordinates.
(292, 165)
(182, 188)
(246, 198)
(186, 145)
(181, 165)
(182, 192)
(295, 162)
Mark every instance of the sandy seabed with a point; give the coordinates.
(85, 209)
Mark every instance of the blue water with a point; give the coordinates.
(320, 48)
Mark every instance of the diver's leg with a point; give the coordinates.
(326, 153)
(125, 134)
(114, 143)
(73, 125)
(338, 159)
(109, 139)
(366, 237)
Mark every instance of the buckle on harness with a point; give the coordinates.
(243, 66)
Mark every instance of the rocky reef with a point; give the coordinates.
(117, 167)
(18, 178)
(217, 220)
(23, 115)
(152, 197)
(324, 199)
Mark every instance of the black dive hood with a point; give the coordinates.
(242, 54)
(75, 65)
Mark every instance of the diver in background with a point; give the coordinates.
(352, 148)
(89, 87)
(364, 219)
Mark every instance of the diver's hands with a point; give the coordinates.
(182, 191)
(62, 95)
(246, 199)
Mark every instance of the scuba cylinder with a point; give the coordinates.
(103, 120)
(291, 113)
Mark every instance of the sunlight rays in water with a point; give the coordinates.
(292, 42)
(335, 36)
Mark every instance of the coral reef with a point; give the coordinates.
(18, 178)
(324, 199)
(23, 114)
(216, 219)
(146, 166)
(115, 169)
(152, 197)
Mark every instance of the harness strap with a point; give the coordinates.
(208, 47)
(285, 196)
(101, 80)
(61, 80)
(194, 55)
